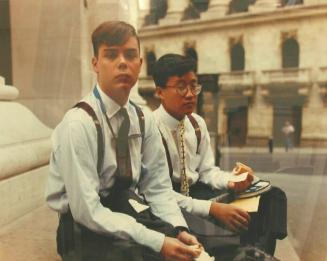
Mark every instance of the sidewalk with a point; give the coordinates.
(277, 150)
(32, 237)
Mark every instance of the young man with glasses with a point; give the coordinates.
(190, 157)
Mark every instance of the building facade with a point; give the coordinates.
(269, 59)
(46, 51)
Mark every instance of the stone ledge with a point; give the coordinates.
(22, 194)
(18, 158)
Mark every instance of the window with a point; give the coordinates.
(290, 53)
(150, 61)
(237, 57)
(291, 2)
(158, 10)
(239, 6)
(190, 52)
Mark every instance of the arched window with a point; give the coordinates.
(237, 57)
(290, 53)
(190, 52)
(150, 61)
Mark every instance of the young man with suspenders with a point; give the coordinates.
(191, 162)
(115, 201)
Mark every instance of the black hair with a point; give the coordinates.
(170, 65)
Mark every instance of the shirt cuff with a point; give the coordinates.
(201, 207)
(152, 239)
(222, 181)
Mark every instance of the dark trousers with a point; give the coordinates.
(75, 242)
(267, 225)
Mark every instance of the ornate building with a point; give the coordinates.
(268, 59)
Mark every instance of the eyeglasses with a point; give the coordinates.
(182, 88)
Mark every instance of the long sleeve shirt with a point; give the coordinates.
(199, 166)
(74, 182)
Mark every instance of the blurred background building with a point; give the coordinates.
(261, 63)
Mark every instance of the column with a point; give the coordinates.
(264, 5)
(260, 116)
(217, 8)
(175, 12)
(143, 11)
(314, 125)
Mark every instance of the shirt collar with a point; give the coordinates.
(167, 119)
(111, 106)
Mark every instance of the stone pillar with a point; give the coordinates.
(264, 5)
(144, 10)
(217, 8)
(314, 125)
(175, 12)
(260, 120)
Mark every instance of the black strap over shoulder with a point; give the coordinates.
(197, 131)
(89, 110)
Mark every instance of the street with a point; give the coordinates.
(306, 193)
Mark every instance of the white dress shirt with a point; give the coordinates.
(199, 167)
(74, 180)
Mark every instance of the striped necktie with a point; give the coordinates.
(184, 182)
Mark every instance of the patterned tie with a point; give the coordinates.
(124, 169)
(184, 181)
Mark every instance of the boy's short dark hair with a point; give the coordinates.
(170, 65)
(112, 33)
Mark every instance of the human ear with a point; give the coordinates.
(159, 93)
(95, 64)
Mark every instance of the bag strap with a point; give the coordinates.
(89, 110)
(197, 131)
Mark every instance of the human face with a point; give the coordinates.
(117, 68)
(175, 104)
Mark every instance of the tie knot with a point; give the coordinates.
(123, 112)
(181, 125)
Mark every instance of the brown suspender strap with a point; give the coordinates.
(196, 130)
(89, 110)
(140, 115)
